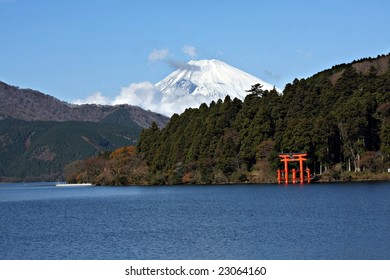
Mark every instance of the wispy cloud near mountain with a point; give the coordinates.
(158, 55)
(189, 50)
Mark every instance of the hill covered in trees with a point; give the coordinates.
(40, 134)
(340, 117)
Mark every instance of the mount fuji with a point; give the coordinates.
(207, 80)
(193, 83)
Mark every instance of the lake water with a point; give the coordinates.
(317, 221)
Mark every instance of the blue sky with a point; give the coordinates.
(72, 49)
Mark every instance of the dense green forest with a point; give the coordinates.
(340, 117)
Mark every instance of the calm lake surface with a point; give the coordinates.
(317, 221)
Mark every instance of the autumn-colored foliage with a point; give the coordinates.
(121, 167)
(123, 152)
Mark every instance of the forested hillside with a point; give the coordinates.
(340, 117)
(40, 134)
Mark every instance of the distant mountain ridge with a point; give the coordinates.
(32, 105)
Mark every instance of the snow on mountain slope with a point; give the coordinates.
(194, 83)
(210, 79)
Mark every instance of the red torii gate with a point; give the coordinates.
(286, 158)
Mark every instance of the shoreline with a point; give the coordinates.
(352, 179)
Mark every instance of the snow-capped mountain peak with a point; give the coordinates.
(193, 83)
(212, 79)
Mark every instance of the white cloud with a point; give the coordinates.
(149, 97)
(189, 50)
(143, 94)
(158, 54)
(95, 98)
(179, 105)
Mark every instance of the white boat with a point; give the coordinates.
(73, 185)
